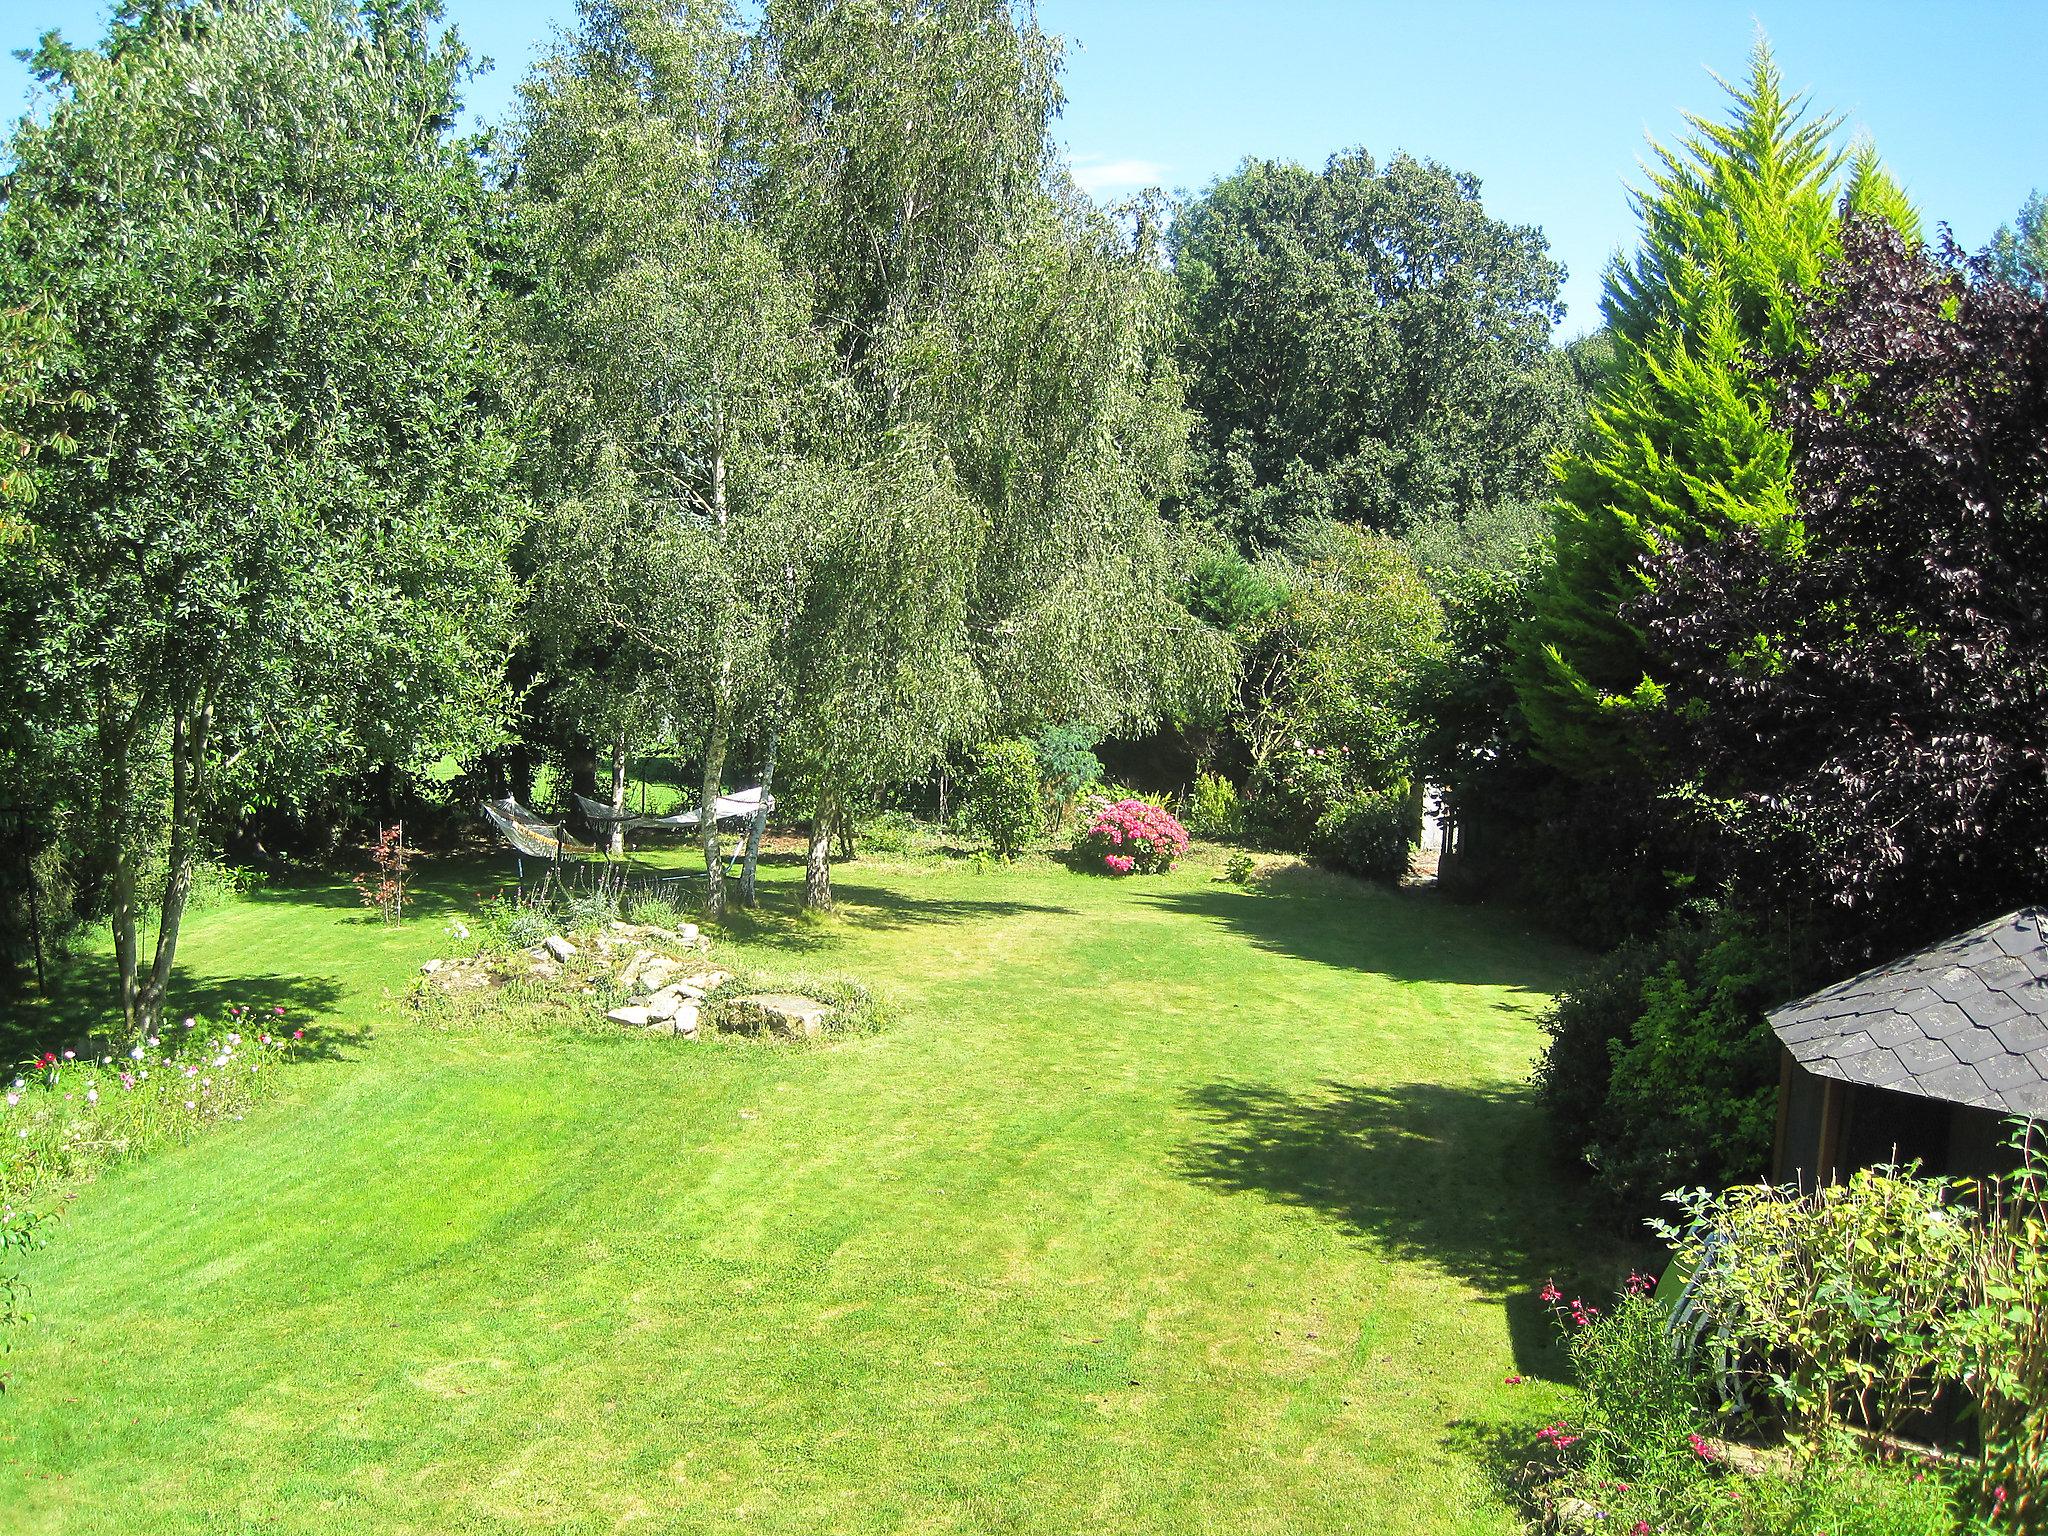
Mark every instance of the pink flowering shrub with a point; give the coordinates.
(1129, 837)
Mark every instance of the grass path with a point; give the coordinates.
(1162, 1207)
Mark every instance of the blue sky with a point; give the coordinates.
(1548, 103)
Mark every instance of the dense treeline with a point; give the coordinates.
(764, 395)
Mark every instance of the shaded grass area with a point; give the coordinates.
(1161, 1207)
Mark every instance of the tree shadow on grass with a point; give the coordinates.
(1458, 1177)
(83, 1006)
(780, 923)
(1408, 935)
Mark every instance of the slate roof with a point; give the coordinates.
(1965, 1020)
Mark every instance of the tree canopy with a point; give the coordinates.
(1364, 343)
(1872, 687)
(1737, 220)
(277, 553)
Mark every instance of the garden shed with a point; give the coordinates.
(1925, 1058)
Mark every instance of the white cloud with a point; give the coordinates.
(1095, 176)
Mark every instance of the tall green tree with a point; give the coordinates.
(1737, 220)
(2019, 251)
(277, 554)
(1367, 344)
(678, 376)
(1013, 415)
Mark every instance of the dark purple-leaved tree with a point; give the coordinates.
(1869, 687)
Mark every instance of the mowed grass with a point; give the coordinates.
(1160, 1207)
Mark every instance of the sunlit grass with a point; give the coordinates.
(1160, 1206)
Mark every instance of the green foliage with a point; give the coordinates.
(1998, 1345)
(1660, 1069)
(896, 832)
(1635, 1455)
(1214, 809)
(2019, 250)
(1001, 796)
(1228, 591)
(654, 912)
(277, 553)
(1586, 1023)
(1737, 222)
(1834, 1301)
(1067, 764)
(1240, 869)
(29, 339)
(1323, 711)
(1368, 834)
(1641, 1393)
(1694, 1085)
(1364, 343)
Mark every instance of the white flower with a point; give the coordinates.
(136, 1054)
(71, 1056)
(13, 1099)
(153, 1040)
(92, 1095)
(188, 1023)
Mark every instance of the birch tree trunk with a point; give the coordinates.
(707, 810)
(617, 844)
(759, 824)
(117, 793)
(818, 861)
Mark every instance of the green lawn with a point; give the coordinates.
(1160, 1207)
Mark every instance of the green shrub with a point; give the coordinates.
(1598, 1009)
(892, 832)
(1292, 791)
(218, 885)
(1636, 1455)
(1660, 1070)
(1002, 803)
(1694, 1088)
(1214, 809)
(1240, 869)
(1365, 835)
(1067, 765)
(655, 912)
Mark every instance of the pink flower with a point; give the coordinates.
(1701, 1448)
(1550, 1295)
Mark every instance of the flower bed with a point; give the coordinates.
(1129, 837)
(65, 1116)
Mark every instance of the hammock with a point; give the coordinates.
(532, 836)
(741, 805)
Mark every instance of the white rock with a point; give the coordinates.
(432, 966)
(687, 932)
(639, 1018)
(686, 1022)
(665, 1004)
(657, 973)
(559, 947)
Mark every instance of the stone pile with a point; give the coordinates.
(665, 991)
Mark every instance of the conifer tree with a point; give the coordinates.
(1738, 220)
